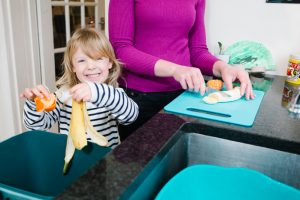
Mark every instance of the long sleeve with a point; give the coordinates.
(122, 108)
(122, 33)
(200, 56)
(141, 34)
(33, 120)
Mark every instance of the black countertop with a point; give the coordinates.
(274, 127)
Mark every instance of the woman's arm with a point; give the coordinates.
(200, 56)
(121, 35)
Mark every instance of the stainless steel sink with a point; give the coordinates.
(188, 148)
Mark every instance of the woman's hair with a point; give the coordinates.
(94, 44)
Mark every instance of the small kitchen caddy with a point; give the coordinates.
(32, 165)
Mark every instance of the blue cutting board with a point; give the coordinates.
(241, 112)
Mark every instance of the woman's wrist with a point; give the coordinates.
(165, 68)
(219, 67)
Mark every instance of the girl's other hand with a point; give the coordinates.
(81, 92)
(38, 91)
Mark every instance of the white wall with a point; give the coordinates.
(6, 106)
(276, 25)
(20, 66)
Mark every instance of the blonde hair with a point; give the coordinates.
(94, 44)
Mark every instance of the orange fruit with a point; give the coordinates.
(215, 84)
(44, 104)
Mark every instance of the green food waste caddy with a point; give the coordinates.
(32, 165)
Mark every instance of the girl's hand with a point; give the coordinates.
(81, 92)
(38, 91)
(190, 78)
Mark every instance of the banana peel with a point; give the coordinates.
(79, 126)
(223, 96)
(95, 136)
(70, 150)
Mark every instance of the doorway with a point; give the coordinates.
(69, 15)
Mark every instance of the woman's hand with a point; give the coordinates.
(81, 92)
(190, 78)
(230, 74)
(38, 91)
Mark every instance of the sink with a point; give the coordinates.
(187, 148)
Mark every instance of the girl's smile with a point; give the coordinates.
(89, 69)
(93, 77)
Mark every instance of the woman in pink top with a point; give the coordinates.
(162, 46)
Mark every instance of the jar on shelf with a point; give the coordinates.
(293, 69)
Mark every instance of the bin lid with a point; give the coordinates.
(215, 182)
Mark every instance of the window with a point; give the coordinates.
(67, 16)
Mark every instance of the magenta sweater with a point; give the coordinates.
(144, 31)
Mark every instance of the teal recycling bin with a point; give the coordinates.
(31, 165)
(211, 182)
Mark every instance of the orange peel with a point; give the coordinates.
(215, 84)
(44, 104)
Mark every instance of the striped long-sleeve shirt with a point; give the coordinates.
(107, 107)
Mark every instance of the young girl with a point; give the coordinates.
(90, 75)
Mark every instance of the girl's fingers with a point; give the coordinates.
(76, 95)
(28, 94)
(85, 99)
(78, 87)
(81, 97)
(44, 91)
(37, 93)
(75, 88)
(80, 92)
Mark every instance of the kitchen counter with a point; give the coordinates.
(274, 127)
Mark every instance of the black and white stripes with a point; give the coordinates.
(108, 107)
